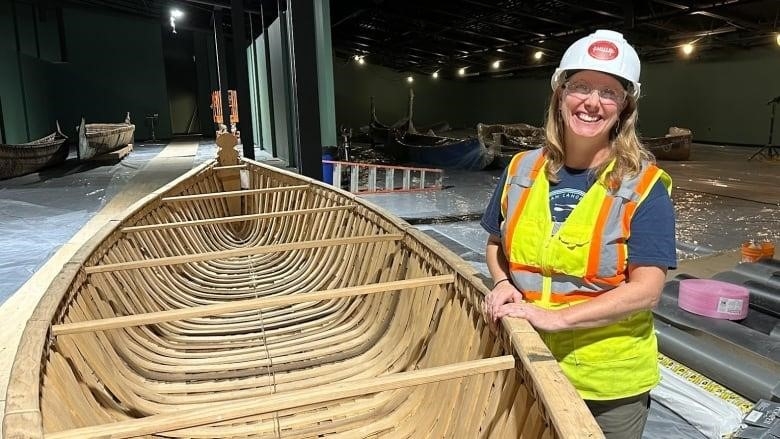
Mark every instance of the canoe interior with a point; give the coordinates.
(143, 376)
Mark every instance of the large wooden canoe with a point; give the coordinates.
(20, 159)
(100, 138)
(284, 308)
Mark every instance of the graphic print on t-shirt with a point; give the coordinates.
(562, 202)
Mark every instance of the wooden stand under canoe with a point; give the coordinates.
(243, 300)
(29, 157)
(675, 145)
(100, 138)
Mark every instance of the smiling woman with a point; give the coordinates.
(584, 230)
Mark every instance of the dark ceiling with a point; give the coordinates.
(424, 36)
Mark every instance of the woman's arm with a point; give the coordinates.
(504, 290)
(641, 292)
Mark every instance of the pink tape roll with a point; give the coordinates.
(712, 298)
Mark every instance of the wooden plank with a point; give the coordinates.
(233, 219)
(222, 168)
(240, 193)
(241, 305)
(224, 411)
(206, 256)
(113, 156)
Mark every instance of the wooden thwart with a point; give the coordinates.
(234, 219)
(242, 305)
(228, 194)
(222, 168)
(224, 411)
(207, 256)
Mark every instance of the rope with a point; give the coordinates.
(270, 367)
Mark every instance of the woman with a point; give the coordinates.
(582, 233)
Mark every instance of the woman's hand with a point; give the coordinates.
(539, 318)
(502, 293)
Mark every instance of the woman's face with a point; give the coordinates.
(591, 104)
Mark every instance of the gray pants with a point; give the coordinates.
(622, 418)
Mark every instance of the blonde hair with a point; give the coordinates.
(624, 144)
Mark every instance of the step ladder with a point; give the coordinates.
(361, 178)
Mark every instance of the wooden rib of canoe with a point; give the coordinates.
(24, 158)
(242, 300)
(100, 138)
(675, 145)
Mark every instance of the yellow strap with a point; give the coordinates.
(546, 299)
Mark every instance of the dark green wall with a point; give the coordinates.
(723, 101)
(115, 65)
(25, 86)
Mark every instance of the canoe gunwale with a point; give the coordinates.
(558, 402)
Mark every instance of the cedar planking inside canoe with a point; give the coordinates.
(386, 338)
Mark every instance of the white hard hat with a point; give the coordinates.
(604, 51)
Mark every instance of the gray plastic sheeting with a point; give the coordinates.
(40, 212)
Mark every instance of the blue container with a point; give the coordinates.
(327, 169)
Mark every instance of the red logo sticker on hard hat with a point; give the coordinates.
(603, 50)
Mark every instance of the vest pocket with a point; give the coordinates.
(572, 249)
(622, 340)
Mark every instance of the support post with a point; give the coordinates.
(242, 78)
(305, 99)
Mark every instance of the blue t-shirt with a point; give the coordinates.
(652, 240)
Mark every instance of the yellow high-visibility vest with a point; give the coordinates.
(585, 257)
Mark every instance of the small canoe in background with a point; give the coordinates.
(24, 158)
(243, 300)
(101, 138)
(675, 145)
(509, 139)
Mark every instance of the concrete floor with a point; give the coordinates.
(721, 200)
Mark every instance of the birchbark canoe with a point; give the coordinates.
(24, 158)
(242, 300)
(100, 138)
(675, 145)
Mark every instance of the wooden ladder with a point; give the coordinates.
(370, 178)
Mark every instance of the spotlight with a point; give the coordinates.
(496, 64)
(409, 79)
(538, 54)
(356, 57)
(462, 71)
(361, 61)
(687, 48)
(435, 75)
(175, 13)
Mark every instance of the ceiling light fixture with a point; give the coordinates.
(435, 74)
(356, 57)
(538, 55)
(175, 14)
(361, 61)
(687, 48)
(462, 71)
(409, 79)
(496, 64)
